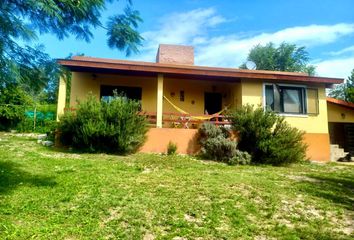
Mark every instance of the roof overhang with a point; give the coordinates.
(340, 102)
(88, 64)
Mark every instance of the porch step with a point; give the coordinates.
(337, 152)
(334, 146)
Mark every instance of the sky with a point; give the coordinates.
(223, 32)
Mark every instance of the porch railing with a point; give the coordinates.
(180, 120)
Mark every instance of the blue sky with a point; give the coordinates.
(223, 32)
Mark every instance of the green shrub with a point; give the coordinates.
(240, 158)
(113, 126)
(216, 145)
(12, 106)
(267, 137)
(10, 116)
(208, 130)
(218, 148)
(26, 125)
(42, 125)
(171, 148)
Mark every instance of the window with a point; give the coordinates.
(134, 93)
(286, 99)
(129, 92)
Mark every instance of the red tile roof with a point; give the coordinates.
(340, 102)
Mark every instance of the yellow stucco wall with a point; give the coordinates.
(335, 112)
(234, 94)
(194, 94)
(61, 97)
(252, 93)
(83, 83)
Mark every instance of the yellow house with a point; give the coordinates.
(177, 95)
(341, 127)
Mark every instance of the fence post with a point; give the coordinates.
(34, 118)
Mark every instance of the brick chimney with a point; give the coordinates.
(175, 54)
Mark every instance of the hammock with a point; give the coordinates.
(195, 117)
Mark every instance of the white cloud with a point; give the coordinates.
(181, 28)
(193, 28)
(339, 67)
(343, 51)
(231, 51)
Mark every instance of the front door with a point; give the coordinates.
(212, 102)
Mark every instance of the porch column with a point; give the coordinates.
(61, 97)
(159, 106)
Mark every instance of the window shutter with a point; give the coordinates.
(312, 101)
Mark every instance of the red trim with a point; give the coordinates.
(340, 102)
(86, 63)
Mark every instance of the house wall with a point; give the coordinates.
(61, 97)
(83, 83)
(315, 127)
(187, 142)
(236, 94)
(158, 139)
(194, 94)
(252, 93)
(335, 112)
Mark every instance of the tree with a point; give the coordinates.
(286, 57)
(21, 21)
(13, 100)
(345, 91)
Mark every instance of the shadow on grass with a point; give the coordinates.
(11, 176)
(337, 189)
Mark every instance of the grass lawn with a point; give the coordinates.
(48, 194)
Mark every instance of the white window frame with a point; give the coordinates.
(304, 115)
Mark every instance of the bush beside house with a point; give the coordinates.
(262, 137)
(267, 137)
(113, 126)
(216, 144)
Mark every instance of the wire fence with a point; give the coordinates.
(27, 118)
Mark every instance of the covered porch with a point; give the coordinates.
(178, 97)
(168, 101)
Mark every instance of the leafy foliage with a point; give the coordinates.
(286, 57)
(345, 91)
(39, 118)
(41, 126)
(216, 145)
(25, 64)
(171, 148)
(240, 158)
(267, 137)
(12, 110)
(122, 32)
(100, 126)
